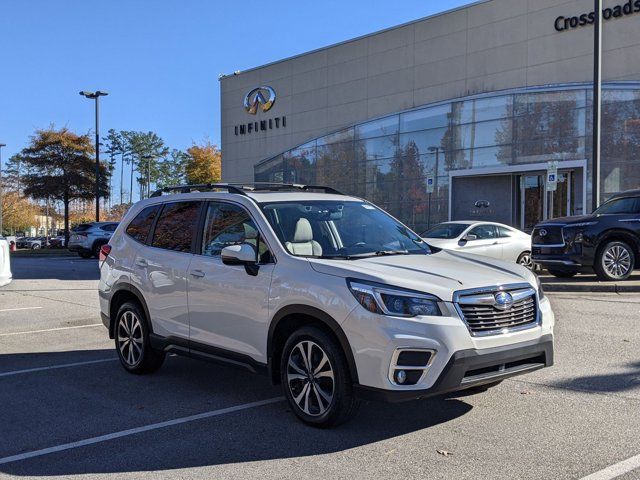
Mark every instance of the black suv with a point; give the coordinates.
(607, 241)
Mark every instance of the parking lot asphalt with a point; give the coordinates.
(68, 408)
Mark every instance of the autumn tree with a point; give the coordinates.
(61, 168)
(203, 164)
(18, 213)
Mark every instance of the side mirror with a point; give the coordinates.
(468, 237)
(242, 254)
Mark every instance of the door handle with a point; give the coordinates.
(197, 273)
(141, 262)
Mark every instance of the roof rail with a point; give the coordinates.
(243, 188)
(199, 188)
(275, 187)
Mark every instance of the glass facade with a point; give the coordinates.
(387, 160)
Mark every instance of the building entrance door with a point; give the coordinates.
(537, 204)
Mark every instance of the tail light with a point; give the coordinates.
(105, 250)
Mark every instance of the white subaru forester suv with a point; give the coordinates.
(325, 293)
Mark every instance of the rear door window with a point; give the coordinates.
(110, 227)
(140, 226)
(484, 232)
(176, 226)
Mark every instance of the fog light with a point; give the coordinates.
(401, 376)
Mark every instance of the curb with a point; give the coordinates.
(590, 288)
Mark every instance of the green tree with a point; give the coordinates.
(116, 144)
(61, 167)
(171, 170)
(204, 164)
(147, 150)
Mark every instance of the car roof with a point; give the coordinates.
(477, 222)
(259, 197)
(627, 193)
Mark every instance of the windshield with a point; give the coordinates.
(340, 230)
(621, 206)
(446, 230)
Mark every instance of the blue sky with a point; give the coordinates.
(159, 60)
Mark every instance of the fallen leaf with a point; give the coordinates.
(625, 340)
(444, 453)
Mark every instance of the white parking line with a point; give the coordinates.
(616, 470)
(55, 367)
(16, 309)
(49, 330)
(134, 431)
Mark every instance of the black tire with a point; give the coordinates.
(35, 246)
(85, 255)
(342, 404)
(614, 261)
(562, 273)
(136, 355)
(96, 249)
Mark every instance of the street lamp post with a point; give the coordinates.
(1, 187)
(437, 152)
(96, 96)
(597, 91)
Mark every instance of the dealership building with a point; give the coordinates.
(454, 116)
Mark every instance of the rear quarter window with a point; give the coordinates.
(140, 226)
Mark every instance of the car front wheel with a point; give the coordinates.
(316, 379)
(525, 260)
(132, 341)
(614, 261)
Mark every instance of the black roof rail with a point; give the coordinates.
(199, 188)
(243, 188)
(274, 187)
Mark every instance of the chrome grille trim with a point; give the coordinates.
(476, 309)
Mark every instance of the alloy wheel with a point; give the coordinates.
(130, 338)
(310, 378)
(617, 261)
(526, 261)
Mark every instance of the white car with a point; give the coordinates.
(489, 239)
(325, 293)
(5, 264)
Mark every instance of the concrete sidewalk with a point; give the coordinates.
(589, 283)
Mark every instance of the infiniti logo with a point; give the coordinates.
(503, 300)
(543, 232)
(263, 96)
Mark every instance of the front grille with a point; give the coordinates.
(482, 315)
(552, 235)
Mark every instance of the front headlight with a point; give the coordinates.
(540, 290)
(393, 301)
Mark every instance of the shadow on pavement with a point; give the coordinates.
(55, 268)
(611, 383)
(67, 405)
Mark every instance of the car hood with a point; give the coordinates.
(439, 274)
(568, 220)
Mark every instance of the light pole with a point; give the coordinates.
(96, 96)
(435, 176)
(597, 91)
(1, 187)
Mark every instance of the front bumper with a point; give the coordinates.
(471, 368)
(376, 339)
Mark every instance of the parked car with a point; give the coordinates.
(33, 243)
(57, 242)
(87, 238)
(5, 263)
(326, 293)
(482, 238)
(607, 241)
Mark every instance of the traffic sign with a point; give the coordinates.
(431, 183)
(552, 176)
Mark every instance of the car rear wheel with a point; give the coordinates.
(132, 341)
(35, 246)
(316, 379)
(562, 273)
(614, 261)
(525, 260)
